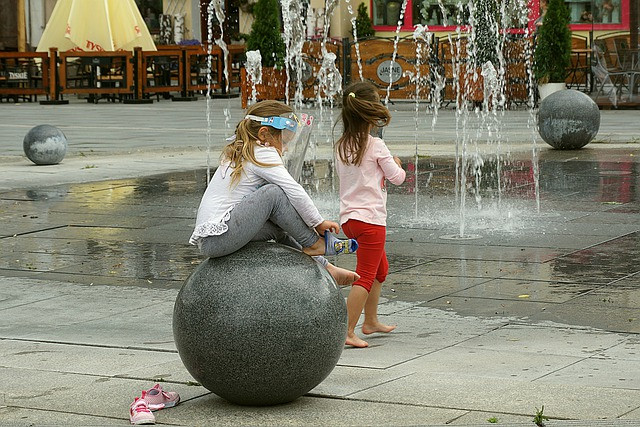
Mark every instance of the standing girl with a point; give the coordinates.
(252, 196)
(363, 164)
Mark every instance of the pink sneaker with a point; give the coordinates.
(139, 412)
(158, 399)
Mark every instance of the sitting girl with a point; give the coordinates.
(252, 196)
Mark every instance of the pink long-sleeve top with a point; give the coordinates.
(363, 192)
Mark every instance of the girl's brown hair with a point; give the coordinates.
(361, 110)
(242, 148)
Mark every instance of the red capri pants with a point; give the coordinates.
(372, 259)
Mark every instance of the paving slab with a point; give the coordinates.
(529, 290)
(541, 309)
(421, 331)
(493, 365)
(603, 314)
(483, 393)
(551, 339)
(63, 392)
(487, 418)
(613, 374)
(210, 409)
(521, 310)
(102, 361)
(14, 415)
(407, 287)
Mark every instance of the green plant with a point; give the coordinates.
(493, 420)
(364, 27)
(240, 36)
(485, 35)
(552, 54)
(539, 418)
(265, 33)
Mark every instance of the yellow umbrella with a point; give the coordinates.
(96, 25)
(53, 34)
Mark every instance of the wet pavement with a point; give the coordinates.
(537, 303)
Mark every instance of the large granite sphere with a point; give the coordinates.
(45, 145)
(261, 326)
(568, 119)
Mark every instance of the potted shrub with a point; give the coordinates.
(266, 37)
(364, 28)
(552, 55)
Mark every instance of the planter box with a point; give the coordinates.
(273, 85)
(472, 89)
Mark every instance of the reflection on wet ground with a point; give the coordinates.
(575, 260)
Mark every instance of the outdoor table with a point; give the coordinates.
(104, 73)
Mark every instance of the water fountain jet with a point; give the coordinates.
(478, 128)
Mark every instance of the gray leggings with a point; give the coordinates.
(265, 214)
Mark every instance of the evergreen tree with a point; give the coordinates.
(265, 33)
(485, 39)
(364, 28)
(553, 44)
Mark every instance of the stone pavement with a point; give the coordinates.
(541, 308)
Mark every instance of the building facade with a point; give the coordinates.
(173, 21)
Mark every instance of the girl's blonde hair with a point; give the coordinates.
(361, 110)
(242, 148)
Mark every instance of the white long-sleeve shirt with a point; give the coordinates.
(363, 193)
(221, 197)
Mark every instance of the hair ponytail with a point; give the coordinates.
(361, 110)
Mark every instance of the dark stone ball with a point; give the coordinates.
(261, 326)
(568, 119)
(45, 145)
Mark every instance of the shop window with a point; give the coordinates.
(446, 13)
(386, 12)
(432, 13)
(595, 11)
(450, 13)
(151, 11)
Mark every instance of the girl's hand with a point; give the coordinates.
(398, 161)
(325, 225)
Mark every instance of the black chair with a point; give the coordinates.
(618, 78)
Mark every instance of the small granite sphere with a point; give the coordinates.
(261, 326)
(568, 119)
(45, 145)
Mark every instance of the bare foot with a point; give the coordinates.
(370, 328)
(343, 277)
(316, 249)
(355, 341)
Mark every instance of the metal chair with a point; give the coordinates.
(622, 47)
(618, 78)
